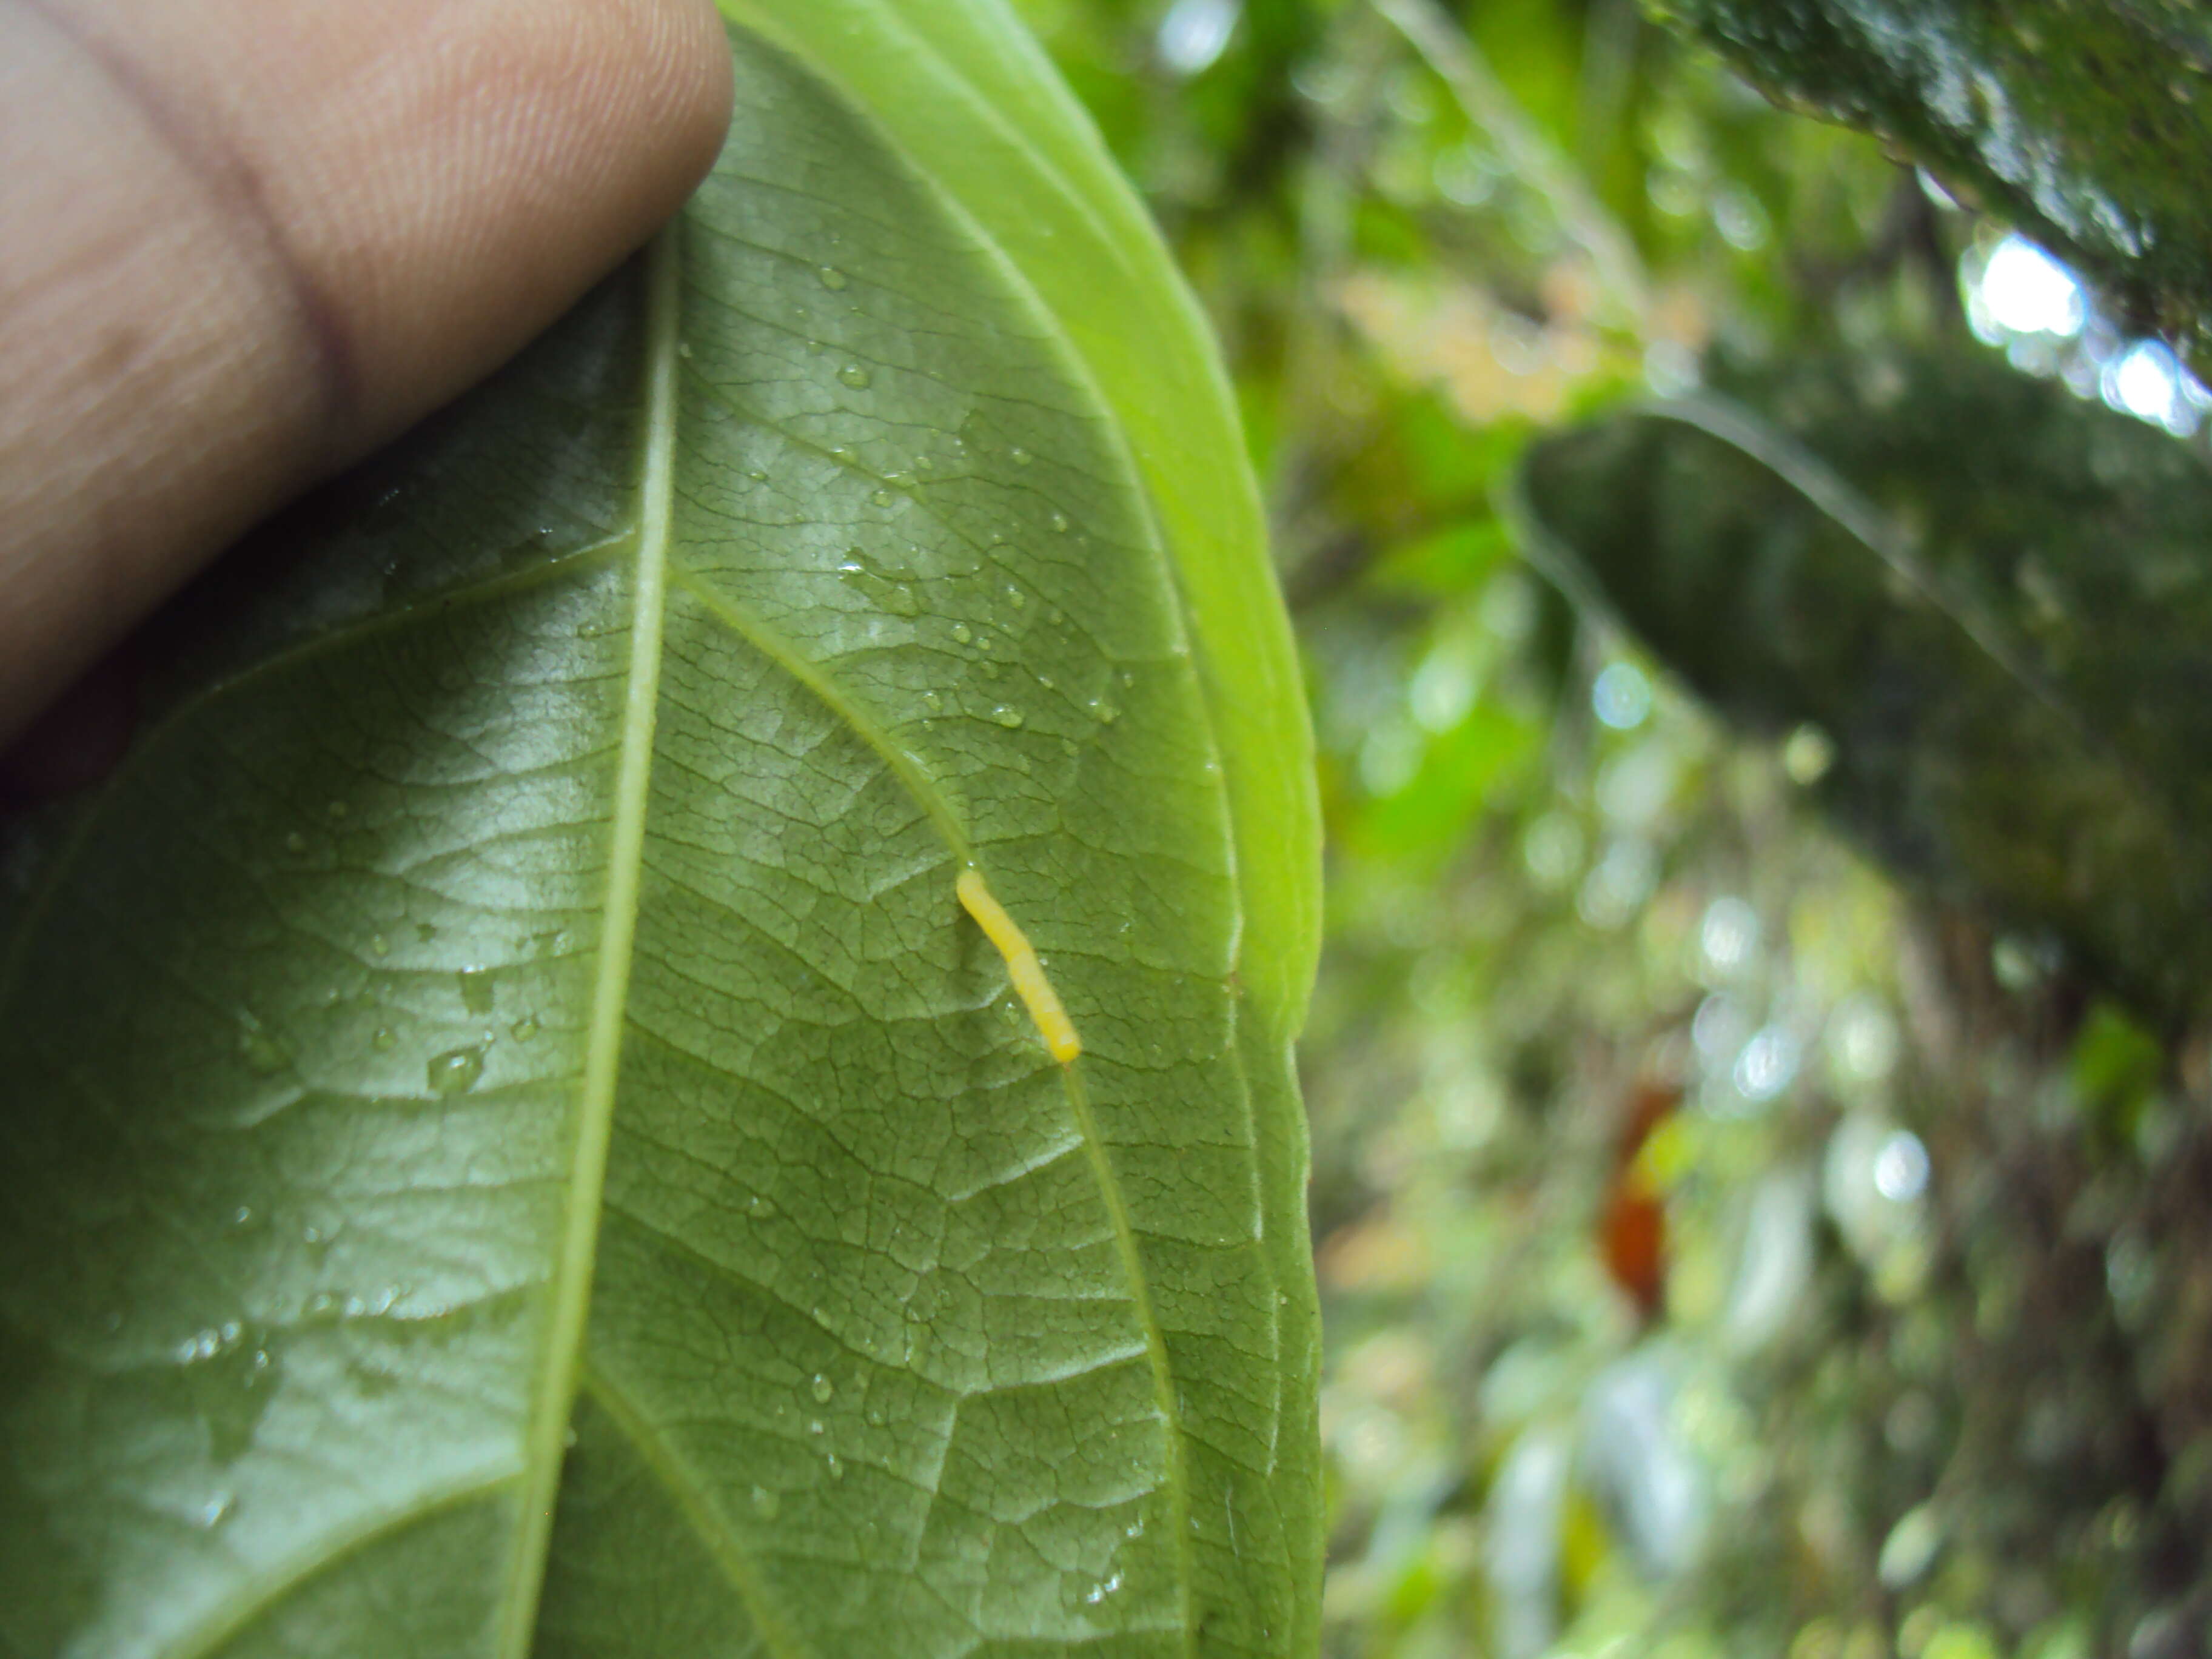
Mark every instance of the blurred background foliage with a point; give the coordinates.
(1759, 1072)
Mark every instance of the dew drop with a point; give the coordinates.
(1007, 715)
(882, 498)
(836, 1467)
(814, 1425)
(683, 349)
(264, 1055)
(815, 348)
(1060, 522)
(1022, 457)
(213, 1513)
(524, 1029)
(1015, 597)
(766, 1503)
(822, 1388)
(455, 1071)
(379, 945)
(962, 633)
(475, 990)
(384, 1040)
(830, 277)
(855, 377)
(243, 1217)
(932, 703)
(1103, 711)
(900, 601)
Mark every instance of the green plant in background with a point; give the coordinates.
(1727, 1246)
(515, 1146)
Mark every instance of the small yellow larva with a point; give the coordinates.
(1022, 967)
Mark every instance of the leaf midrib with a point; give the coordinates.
(546, 1436)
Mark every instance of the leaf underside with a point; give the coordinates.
(535, 886)
(2087, 122)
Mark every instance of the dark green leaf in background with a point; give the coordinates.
(535, 877)
(1988, 595)
(2087, 122)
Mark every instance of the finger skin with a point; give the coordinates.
(244, 242)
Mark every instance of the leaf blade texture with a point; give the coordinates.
(538, 870)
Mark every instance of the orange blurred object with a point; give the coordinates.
(1632, 1232)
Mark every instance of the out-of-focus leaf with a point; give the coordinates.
(2089, 122)
(537, 877)
(1991, 598)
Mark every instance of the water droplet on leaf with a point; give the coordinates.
(475, 990)
(455, 1071)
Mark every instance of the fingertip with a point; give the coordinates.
(260, 238)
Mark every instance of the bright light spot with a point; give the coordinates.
(1741, 222)
(1622, 696)
(1615, 890)
(2025, 291)
(1719, 1028)
(1808, 755)
(1389, 757)
(1195, 33)
(1466, 175)
(1554, 851)
(1730, 933)
(1900, 1168)
(1767, 1065)
(1866, 1038)
(2146, 382)
(1443, 688)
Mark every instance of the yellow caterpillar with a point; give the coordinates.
(1022, 967)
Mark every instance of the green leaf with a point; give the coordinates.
(519, 964)
(2087, 122)
(1989, 596)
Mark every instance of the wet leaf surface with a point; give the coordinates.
(537, 877)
